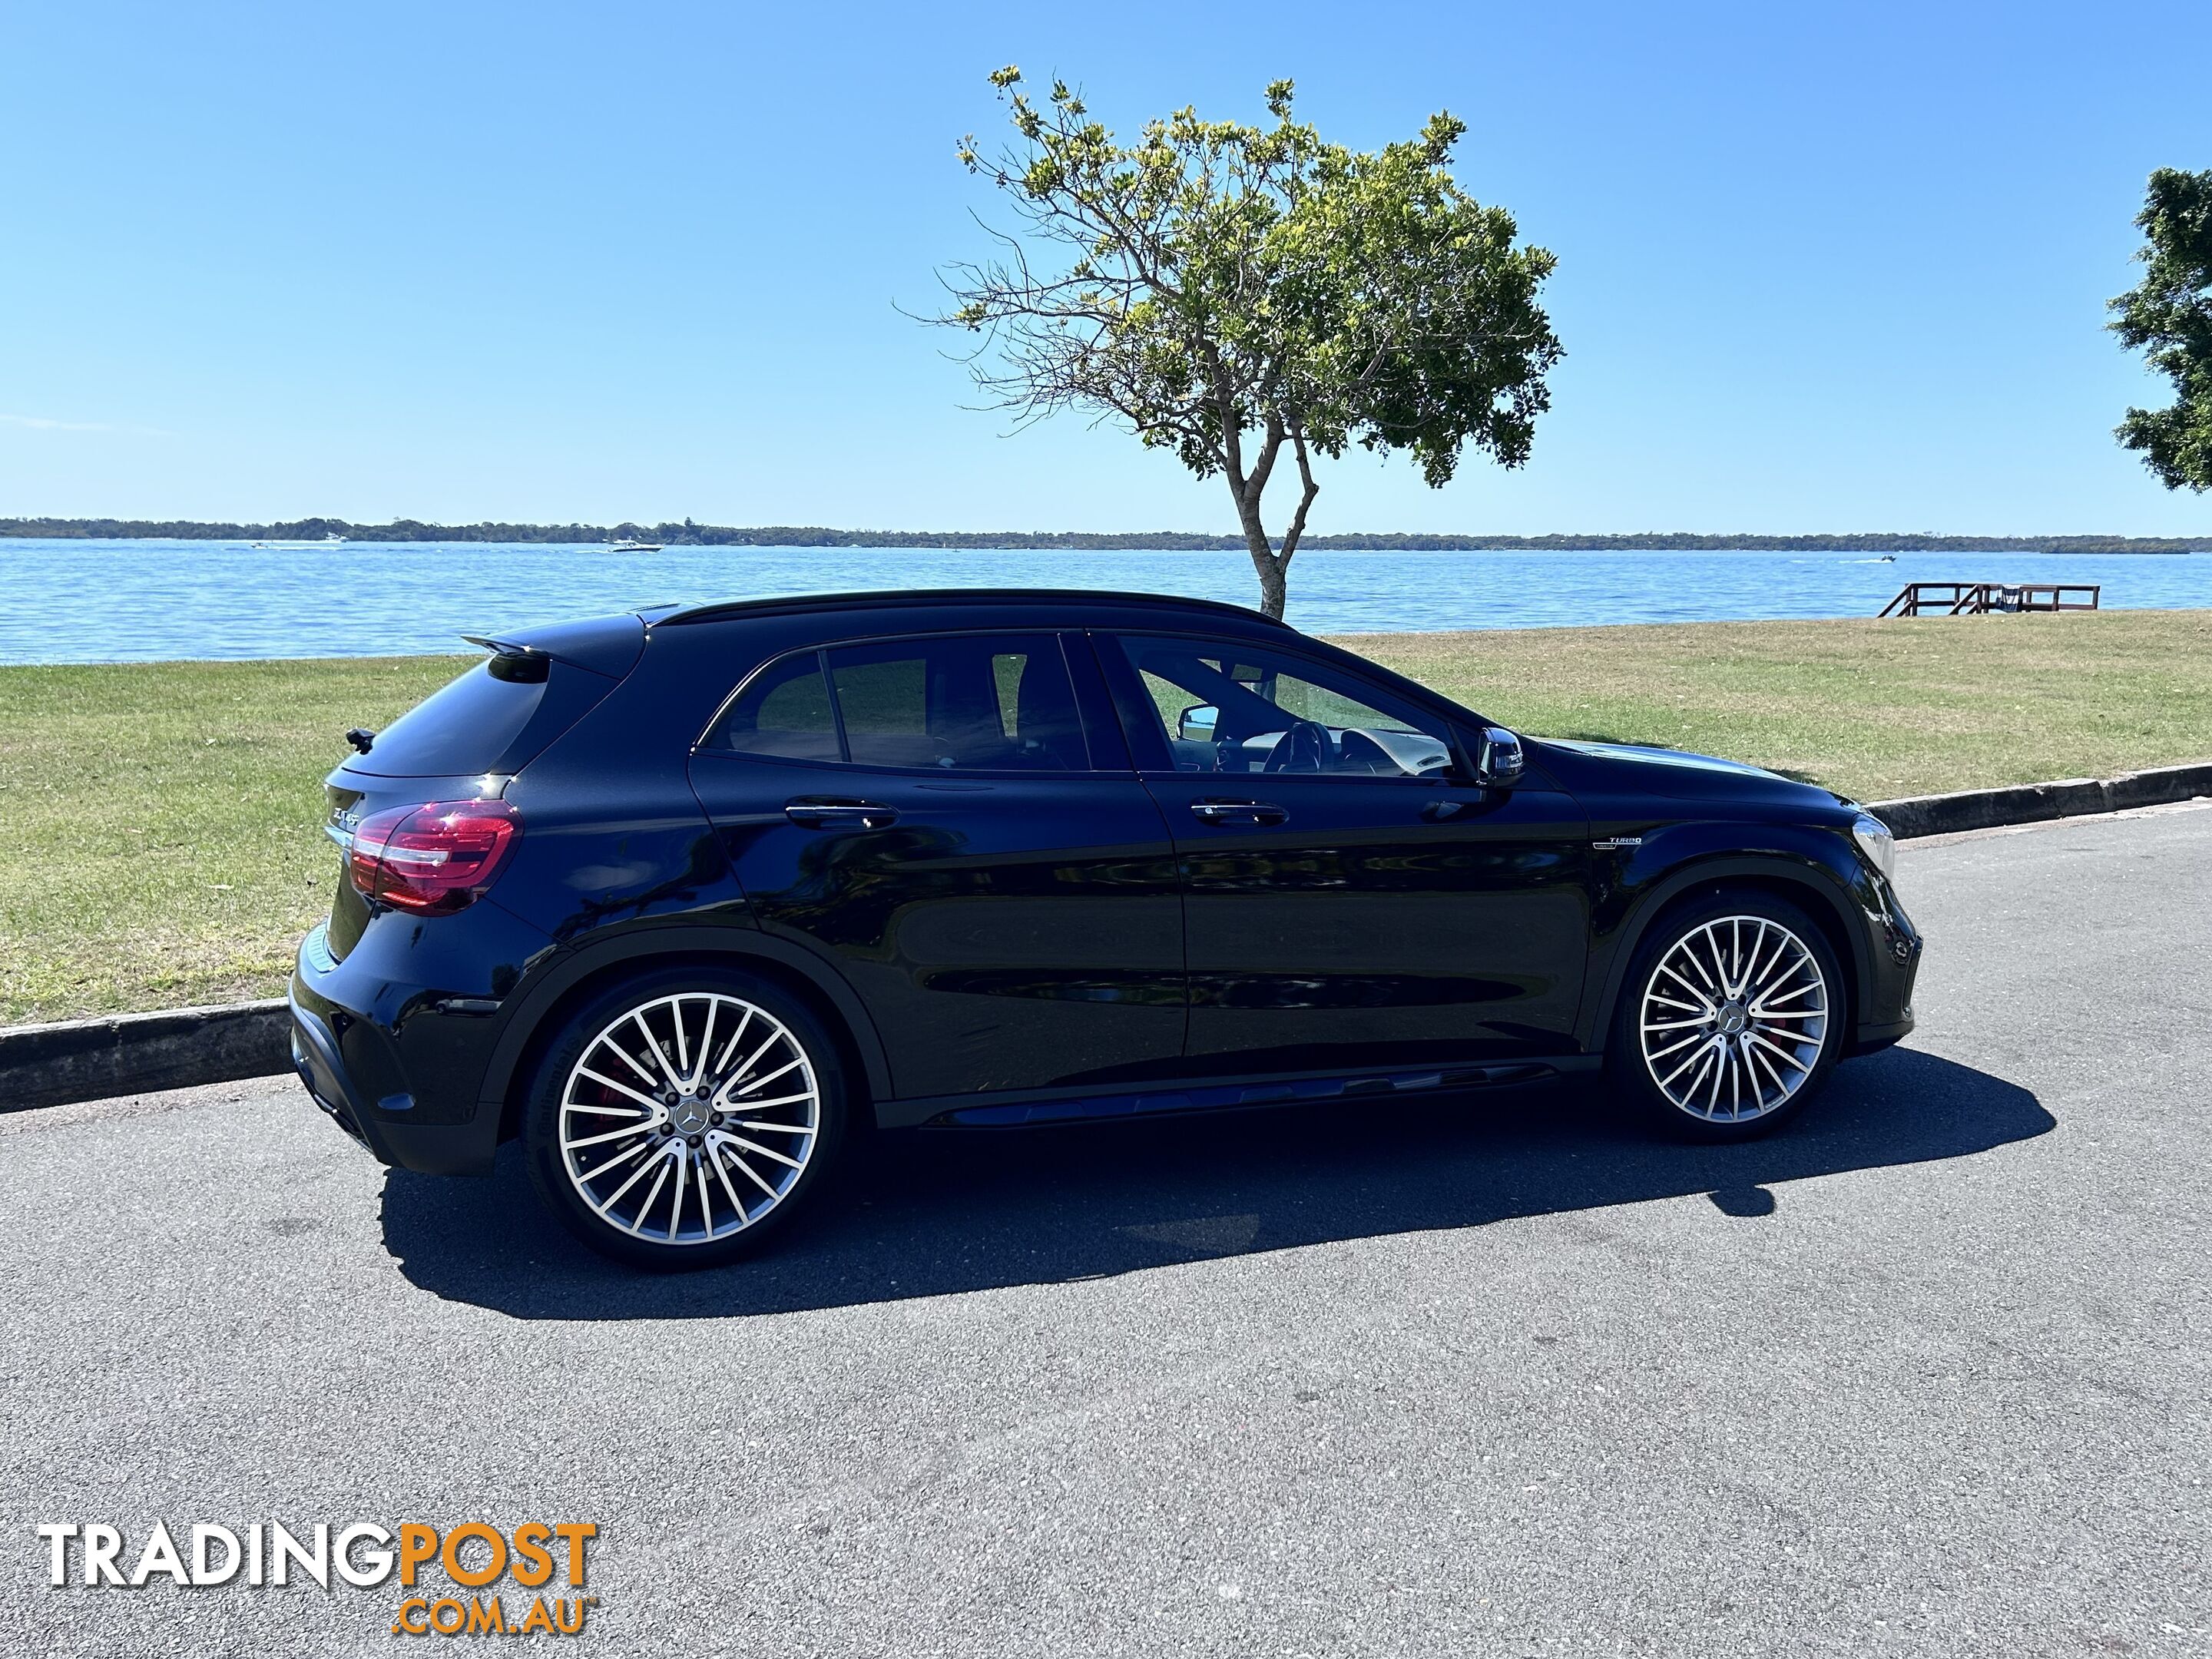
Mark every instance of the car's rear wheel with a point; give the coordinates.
(1731, 1017)
(678, 1120)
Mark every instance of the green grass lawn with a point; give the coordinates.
(1875, 708)
(159, 822)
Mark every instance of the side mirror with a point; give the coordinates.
(1196, 723)
(1498, 761)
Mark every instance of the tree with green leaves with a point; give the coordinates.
(2168, 317)
(1231, 293)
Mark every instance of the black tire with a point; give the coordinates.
(1703, 1083)
(736, 1157)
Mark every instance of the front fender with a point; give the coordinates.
(1813, 866)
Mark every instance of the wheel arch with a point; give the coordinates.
(579, 978)
(1807, 885)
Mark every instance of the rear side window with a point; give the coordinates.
(959, 702)
(494, 718)
(785, 712)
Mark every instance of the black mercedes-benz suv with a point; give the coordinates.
(680, 896)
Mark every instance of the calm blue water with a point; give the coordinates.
(72, 601)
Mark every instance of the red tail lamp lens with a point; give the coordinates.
(437, 858)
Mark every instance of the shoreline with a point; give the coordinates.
(331, 532)
(1376, 642)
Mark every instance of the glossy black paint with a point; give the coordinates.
(1441, 921)
(1007, 944)
(1006, 932)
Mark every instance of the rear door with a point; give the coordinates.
(1351, 897)
(935, 817)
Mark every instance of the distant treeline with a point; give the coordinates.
(688, 534)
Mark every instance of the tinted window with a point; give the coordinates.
(785, 712)
(1233, 709)
(972, 702)
(487, 721)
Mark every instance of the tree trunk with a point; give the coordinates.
(1246, 490)
(1274, 568)
(1274, 586)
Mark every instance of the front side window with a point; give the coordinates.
(1237, 710)
(957, 703)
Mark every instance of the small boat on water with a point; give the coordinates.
(634, 547)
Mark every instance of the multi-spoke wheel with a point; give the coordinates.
(1729, 1017)
(678, 1118)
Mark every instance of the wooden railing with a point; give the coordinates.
(1974, 599)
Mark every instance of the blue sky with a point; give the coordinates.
(1820, 268)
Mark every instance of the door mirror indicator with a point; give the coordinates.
(1498, 761)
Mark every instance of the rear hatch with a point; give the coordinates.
(465, 741)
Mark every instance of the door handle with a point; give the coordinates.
(821, 813)
(1261, 812)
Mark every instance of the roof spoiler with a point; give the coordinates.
(506, 647)
(601, 644)
(513, 659)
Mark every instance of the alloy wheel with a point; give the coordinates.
(689, 1118)
(1733, 1018)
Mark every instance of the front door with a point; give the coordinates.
(932, 817)
(1352, 898)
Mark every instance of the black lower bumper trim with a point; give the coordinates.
(1871, 1039)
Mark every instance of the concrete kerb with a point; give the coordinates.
(2037, 803)
(137, 1054)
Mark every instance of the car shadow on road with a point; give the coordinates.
(926, 1214)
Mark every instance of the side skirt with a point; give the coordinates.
(997, 1111)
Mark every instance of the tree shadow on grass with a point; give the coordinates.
(927, 1214)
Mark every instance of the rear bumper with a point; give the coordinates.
(390, 1067)
(322, 1073)
(380, 1127)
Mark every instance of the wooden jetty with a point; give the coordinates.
(1975, 599)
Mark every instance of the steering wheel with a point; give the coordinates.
(1304, 748)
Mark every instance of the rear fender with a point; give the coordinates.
(540, 1006)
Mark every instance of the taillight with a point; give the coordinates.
(432, 859)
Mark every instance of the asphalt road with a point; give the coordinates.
(1926, 1374)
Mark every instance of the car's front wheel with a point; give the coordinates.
(1731, 1019)
(679, 1119)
